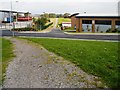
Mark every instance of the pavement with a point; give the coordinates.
(56, 22)
(92, 33)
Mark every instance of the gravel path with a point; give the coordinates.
(35, 67)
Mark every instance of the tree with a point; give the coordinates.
(46, 15)
(34, 20)
(59, 15)
(34, 23)
(41, 22)
(52, 15)
(41, 15)
(66, 15)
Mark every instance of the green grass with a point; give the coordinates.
(94, 57)
(7, 54)
(60, 20)
(70, 28)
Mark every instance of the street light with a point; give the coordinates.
(11, 16)
(10, 11)
(16, 10)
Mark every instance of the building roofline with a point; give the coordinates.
(97, 16)
(73, 14)
(11, 11)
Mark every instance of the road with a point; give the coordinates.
(57, 33)
(56, 22)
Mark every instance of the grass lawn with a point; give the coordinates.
(60, 20)
(94, 57)
(7, 54)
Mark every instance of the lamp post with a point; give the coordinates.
(11, 18)
(16, 14)
(10, 12)
(11, 24)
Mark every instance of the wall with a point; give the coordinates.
(73, 21)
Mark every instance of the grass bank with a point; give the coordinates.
(6, 50)
(94, 57)
(60, 20)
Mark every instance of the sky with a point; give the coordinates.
(62, 6)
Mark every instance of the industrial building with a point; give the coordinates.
(14, 16)
(95, 22)
(18, 19)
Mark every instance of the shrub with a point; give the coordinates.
(24, 29)
(116, 30)
(108, 30)
(69, 28)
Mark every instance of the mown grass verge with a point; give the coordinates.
(6, 50)
(95, 57)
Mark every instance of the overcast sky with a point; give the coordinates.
(62, 6)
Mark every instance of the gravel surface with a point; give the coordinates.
(35, 67)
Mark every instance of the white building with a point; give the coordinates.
(66, 24)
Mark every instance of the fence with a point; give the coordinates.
(15, 25)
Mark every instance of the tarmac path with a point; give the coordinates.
(56, 22)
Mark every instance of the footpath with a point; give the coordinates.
(35, 67)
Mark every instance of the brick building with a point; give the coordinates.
(73, 20)
(79, 20)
